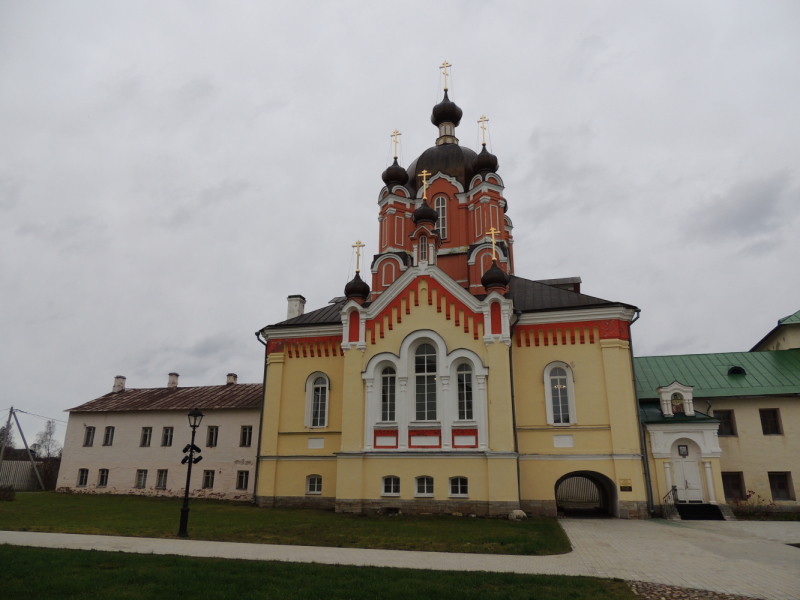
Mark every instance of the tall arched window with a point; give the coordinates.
(440, 204)
(464, 392)
(388, 385)
(560, 395)
(423, 248)
(319, 411)
(425, 371)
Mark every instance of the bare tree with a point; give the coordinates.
(46, 444)
(10, 443)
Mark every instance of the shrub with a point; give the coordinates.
(7, 493)
(753, 505)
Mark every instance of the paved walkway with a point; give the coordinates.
(745, 558)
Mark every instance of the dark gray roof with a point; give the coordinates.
(237, 395)
(328, 315)
(535, 296)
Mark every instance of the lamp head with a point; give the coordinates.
(195, 416)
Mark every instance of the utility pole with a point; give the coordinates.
(7, 436)
(28, 450)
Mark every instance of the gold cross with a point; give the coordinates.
(492, 232)
(395, 135)
(424, 176)
(444, 66)
(483, 120)
(358, 246)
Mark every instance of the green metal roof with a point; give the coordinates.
(767, 373)
(791, 319)
(651, 413)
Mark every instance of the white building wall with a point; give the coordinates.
(125, 456)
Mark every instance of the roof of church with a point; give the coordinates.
(790, 320)
(207, 397)
(766, 373)
(528, 296)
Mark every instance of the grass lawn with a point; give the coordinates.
(90, 574)
(139, 516)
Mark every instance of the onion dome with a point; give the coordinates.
(395, 174)
(451, 159)
(425, 214)
(446, 112)
(494, 278)
(486, 162)
(357, 288)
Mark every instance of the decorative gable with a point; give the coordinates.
(676, 398)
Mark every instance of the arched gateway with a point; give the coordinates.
(587, 494)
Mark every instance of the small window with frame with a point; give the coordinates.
(314, 484)
(147, 435)
(391, 486)
(770, 421)
(208, 479)
(242, 480)
(161, 479)
(141, 478)
(88, 436)
(459, 487)
(780, 485)
(108, 437)
(166, 436)
(246, 436)
(102, 478)
(83, 477)
(727, 423)
(424, 487)
(212, 436)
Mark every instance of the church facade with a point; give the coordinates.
(451, 384)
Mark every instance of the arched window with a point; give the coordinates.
(459, 487)
(677, 402)
(423, 248)
(440, 204)
(391, 486)
(317, 392)
(425, 371)
(388, 385)
(388, 273)
(464, 392)
(314, 484)
(560, 394)
(424, 487)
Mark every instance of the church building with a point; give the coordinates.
(449, 383)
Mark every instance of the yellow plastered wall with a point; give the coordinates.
(659, 478)
(292, 474)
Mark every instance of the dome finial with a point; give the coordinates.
(483, 121)
(444, 66)
(396, 134)
(358, 246)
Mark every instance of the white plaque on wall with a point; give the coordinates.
(316, 443)
(563, 441)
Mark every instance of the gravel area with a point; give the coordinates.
(657, 591)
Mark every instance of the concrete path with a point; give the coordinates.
(745, 558)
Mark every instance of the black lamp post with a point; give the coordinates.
(195, 416)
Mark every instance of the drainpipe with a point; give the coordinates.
(642, 441)
(260, 419)
(517, 314)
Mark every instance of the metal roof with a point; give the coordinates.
(790, 320)
(651, 413)
(208, 397)
(328, 315)
(766, 373)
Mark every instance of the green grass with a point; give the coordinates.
(139, 516)
(99, 575)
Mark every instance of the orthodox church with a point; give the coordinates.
(451, 383)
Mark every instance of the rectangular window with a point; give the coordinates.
(161, 479)
(166, 436)
(88, 436)
(781, 486)
(108, 437)
(727, 425)
(141, 478)
(391, 486)
(246, 437)
(464, 393)
(147, 434)
(242, 480)
(314, 485)
(208, 480)
(83, 477)
(459, 487)
(212, 436)
(424, 486)
(770, 421)
(102, 478)
(388, 384)
(733, 484)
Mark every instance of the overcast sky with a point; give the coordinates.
(171, 171)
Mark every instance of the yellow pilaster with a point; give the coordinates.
(498, 391)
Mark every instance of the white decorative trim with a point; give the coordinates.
(383, 257)
(580, 457)
(548, 393)
(686, 392)
(302, 332)
(664, 435)
(584, 314)
(484, 187)
(297, 457)
(439, 175)
(475, 181)
(501, 257)
(310, 399)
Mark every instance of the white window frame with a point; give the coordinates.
(387, 281)
(479, 230)
(208, 477)
(391, 416)
(391, 494)
(242, 475)
(212, 436)
(458, 494)
(494, 216)
(100, 482)
(141, 479)
(246, 436)
(399, 230)
(310, 383)
(146, 438)
(423, 479)
(435, 375)
(167, 433)
(88, 437)
(312, 483)
(161, 479)
(469, 405)
(83, 477)
(440, 206)
(423, 248)
(108, 436)
(573, 418)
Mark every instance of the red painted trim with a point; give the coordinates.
(424, 433)
(497, 319)
(608, 330)
(465, 432)
(385, 433)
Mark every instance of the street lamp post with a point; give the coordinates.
(195, 416)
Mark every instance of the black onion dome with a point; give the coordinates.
(485, 162)
(494, 277)
(357, 288)
(446, 112)
(394, 174)
(451, 159)
(425, 214)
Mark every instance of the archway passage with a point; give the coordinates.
(585, 494)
